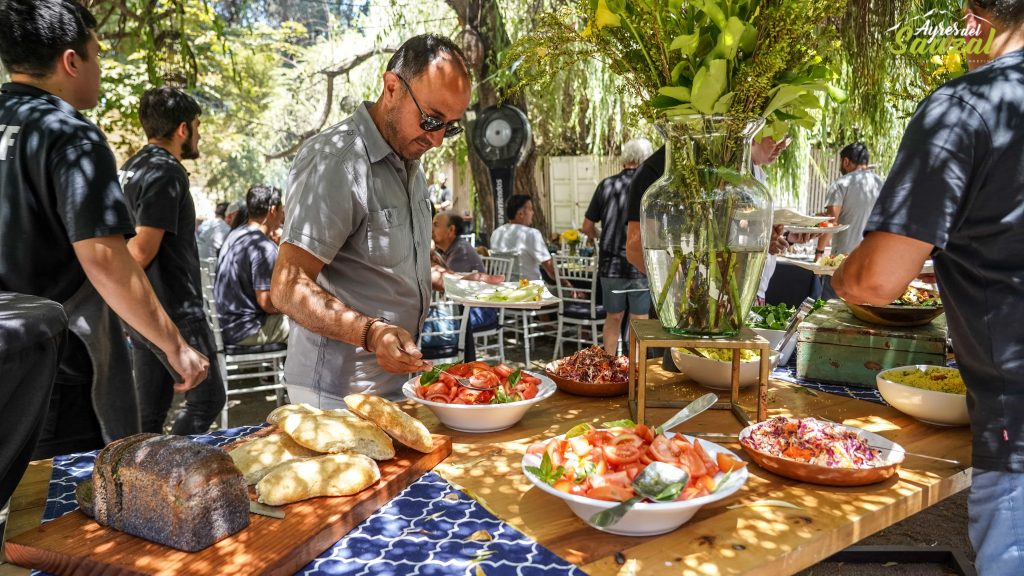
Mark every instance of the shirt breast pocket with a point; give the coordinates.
(389, 237)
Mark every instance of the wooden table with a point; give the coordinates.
(746, 540)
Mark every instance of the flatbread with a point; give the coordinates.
(331, 433)
(326, 475)
(281, 412)
(256, 457)
(393, 420)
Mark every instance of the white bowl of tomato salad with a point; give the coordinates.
(468, 410)
(599, 464)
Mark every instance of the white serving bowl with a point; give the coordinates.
(939, 408)
(481, 417)
(647, 518)
(774, 337)
(717, 374)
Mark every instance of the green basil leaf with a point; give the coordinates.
(672, 491)
(429, 378)
(513, 378)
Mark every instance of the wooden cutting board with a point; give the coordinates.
(74, 544)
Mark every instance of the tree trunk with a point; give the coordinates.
(483, 17)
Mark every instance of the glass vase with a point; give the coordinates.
(705, 226)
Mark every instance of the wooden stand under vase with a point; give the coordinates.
(646, 334)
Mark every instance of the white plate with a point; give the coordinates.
(469, 292)
(788, 217)
(927, 268)
(481, 417)
(817, 229)
(647, 518)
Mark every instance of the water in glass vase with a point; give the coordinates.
(703, 294)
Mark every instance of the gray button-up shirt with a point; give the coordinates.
(365, 213)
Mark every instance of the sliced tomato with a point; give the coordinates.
(693, 492)
(645, 432)
(479, 366)
(579, 446)
(664, 450)
(530, 378)
(563, 486)
(622, 454)
(611, 492)
(484, 379)
(691, 461)
(460, 370)
(619, 478)
(633, 470)
(439, 398)
(556, 452)
(628, 438)
(727, 463)
(503, 371)
(526, 389)
(598, 437)
(709, 463)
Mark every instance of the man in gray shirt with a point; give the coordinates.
(850, 199)
(354, 272)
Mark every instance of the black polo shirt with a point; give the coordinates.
(958, 183)
(156, 185)
(647, 174)
(609, 206)
(58, 185)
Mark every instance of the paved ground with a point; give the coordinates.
(942, 525)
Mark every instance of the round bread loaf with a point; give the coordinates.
(393, 420)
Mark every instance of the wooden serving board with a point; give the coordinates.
(74, 544)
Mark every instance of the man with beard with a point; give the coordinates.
(156, 186)
(353, 273)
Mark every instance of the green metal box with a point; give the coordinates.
(834, 347)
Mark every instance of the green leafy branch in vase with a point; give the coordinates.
(707, 70)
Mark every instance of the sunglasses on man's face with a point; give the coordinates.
(429, 123)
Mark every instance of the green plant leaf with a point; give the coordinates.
(723, 104)
(429, 378)
(729, 40)
(687, 43)
(679, 93)
(578, 430)
(709, 85)
(713, 10)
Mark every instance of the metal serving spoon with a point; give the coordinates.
(692, 409)
(659, 481)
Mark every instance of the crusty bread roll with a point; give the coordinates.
(393, 420)
(334, 433)
(327, 475)
(256, 457)
(281, 412)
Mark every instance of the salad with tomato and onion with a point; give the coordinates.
(503, 384)
(601, 463)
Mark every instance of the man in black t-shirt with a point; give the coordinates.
(156, 186)
(63, 223)
(956, 193)
(247, 315)
(609, 207)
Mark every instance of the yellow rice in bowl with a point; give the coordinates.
(933, 378)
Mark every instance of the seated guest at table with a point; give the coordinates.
(247, 315)
(458, 256)
(65, 220)
(517, 236)
(954, 194)
(608, 206)
(213, 232)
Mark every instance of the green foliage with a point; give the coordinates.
(745, 58)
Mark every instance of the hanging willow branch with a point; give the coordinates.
(325, 113)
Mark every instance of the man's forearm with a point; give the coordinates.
(315, 309)
(123, 285)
